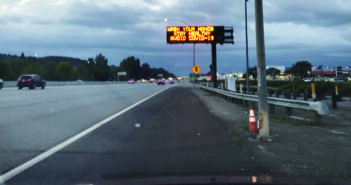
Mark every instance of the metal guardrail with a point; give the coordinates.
(320, 107)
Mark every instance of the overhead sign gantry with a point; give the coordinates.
(199, 34)
(202, 35)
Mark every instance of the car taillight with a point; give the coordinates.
(28, 80)
(19, 79)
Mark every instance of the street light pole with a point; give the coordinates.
(247, 52)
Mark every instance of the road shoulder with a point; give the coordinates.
(298, 148)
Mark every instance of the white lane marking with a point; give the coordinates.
(19, 169)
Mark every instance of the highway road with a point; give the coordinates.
(169, 134)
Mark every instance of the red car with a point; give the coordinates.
(160, 82)
(171, 82)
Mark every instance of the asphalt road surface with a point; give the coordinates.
(170, 134)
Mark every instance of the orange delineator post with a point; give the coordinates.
(252, 121)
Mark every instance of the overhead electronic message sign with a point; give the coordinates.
(202, 34)
(197, 34)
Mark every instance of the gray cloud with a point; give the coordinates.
(316, 30)
(114, 17)
(312, 12)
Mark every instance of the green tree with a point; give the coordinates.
(253, 72)
(91, 61)
(22, 56)
(91, 69)
(113, 73)
(66, 71)
(300, 69)
(156, 71)
(51, 71)
(145, 71)
(101, 68)
(273, 72)
(33, 68)
(16, 67)
(132, 66)
(94, 69)
(82, 73)
(4, 71)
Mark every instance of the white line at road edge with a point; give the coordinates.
(19, 169)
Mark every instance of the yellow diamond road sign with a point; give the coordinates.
(196, 69)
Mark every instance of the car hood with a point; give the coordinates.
(197, 180)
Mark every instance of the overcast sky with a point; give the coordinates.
(315, 30)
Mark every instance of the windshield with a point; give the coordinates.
(167, 92)
(25, 77)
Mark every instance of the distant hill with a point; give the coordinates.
(74, 61)
(7, 57)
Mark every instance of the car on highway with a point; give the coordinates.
(337, 80)
(1, 83)
(307, 80)
(160, 82)
(171, 82)
(318, 79)
(80, 82)
(31, 81)
(131, 81)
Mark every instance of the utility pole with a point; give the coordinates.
(247, 51)
(261, 74)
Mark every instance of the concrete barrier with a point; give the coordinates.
(66, 83)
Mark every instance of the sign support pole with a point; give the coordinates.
(261, 74)
(194, 65)
(214, 65)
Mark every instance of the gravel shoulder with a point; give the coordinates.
(320, 149)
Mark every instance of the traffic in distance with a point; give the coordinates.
(32, 81)
(162, 81)
(325, 79)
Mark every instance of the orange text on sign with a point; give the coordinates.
(191, 33)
